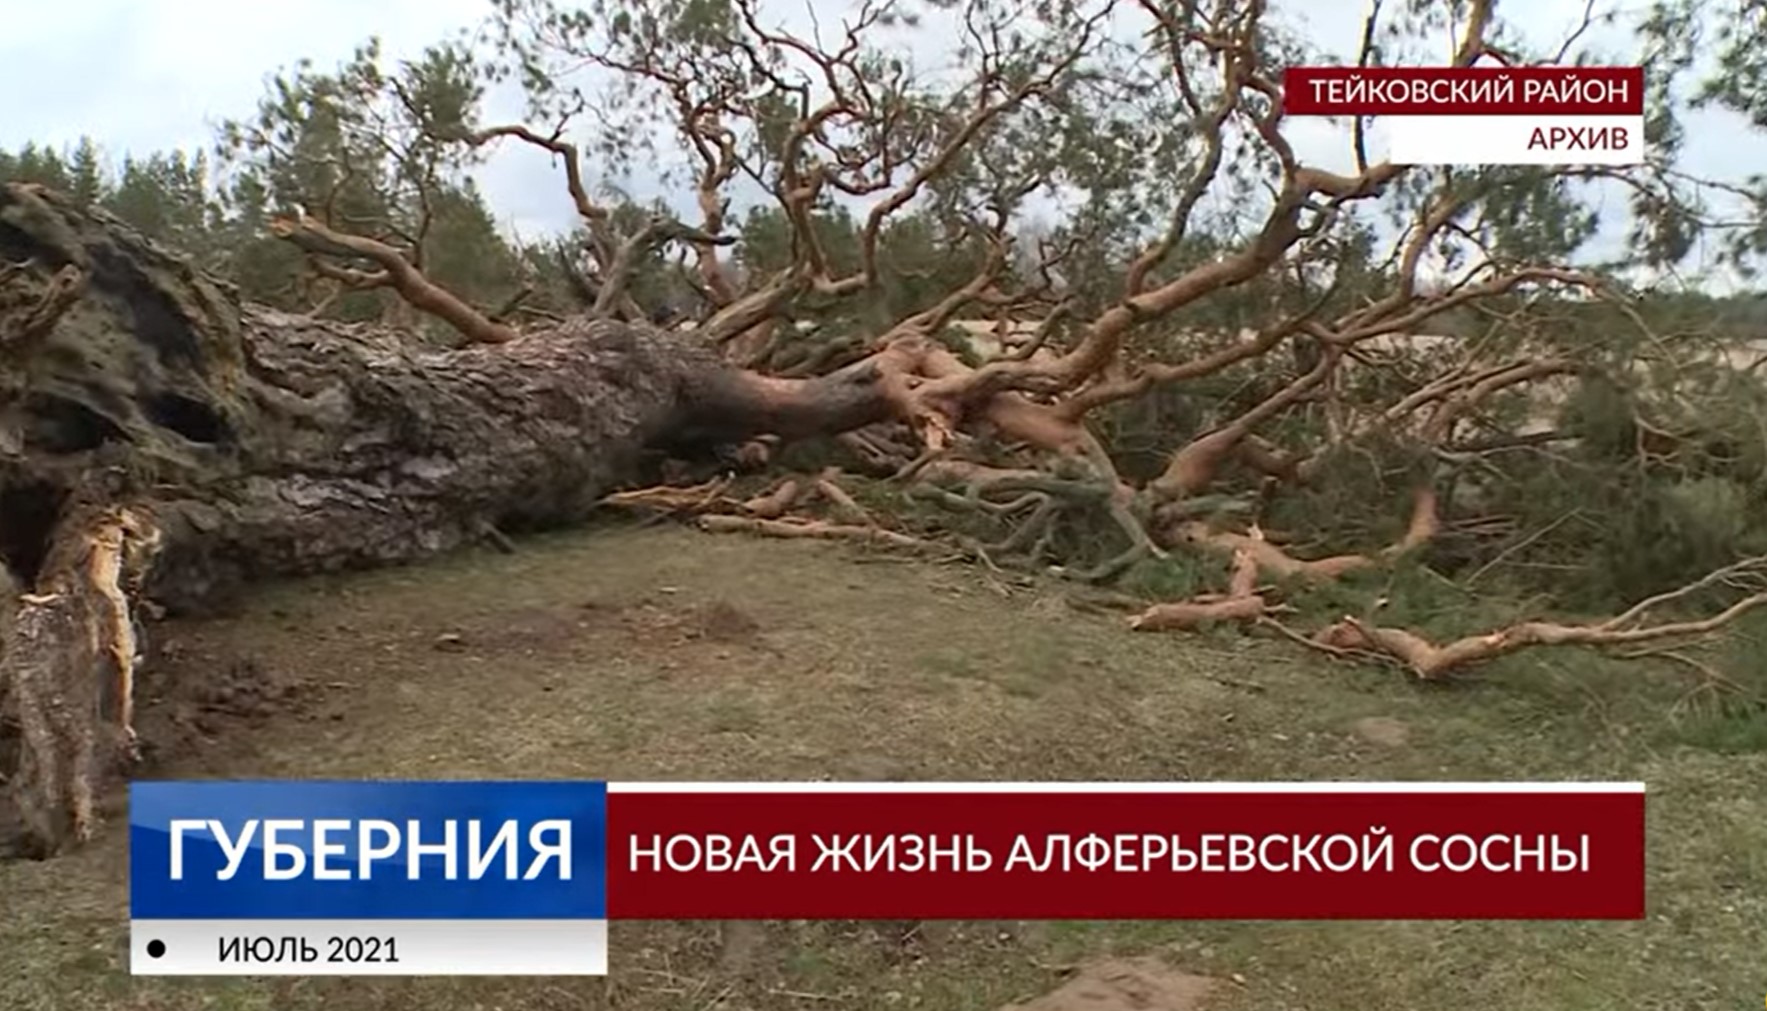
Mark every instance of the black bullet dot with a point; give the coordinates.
(155, 949)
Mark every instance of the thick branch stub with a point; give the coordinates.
(68, 672)
(28, 312)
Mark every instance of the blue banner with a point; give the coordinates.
(322, 850)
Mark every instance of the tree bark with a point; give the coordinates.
(161, 442)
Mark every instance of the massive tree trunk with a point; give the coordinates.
(160, 442)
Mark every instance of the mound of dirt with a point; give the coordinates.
(526, 630)
(665, 619)
(1132, 984)
(724, 622)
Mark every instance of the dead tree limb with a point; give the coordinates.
(402, 275)
(1430, 661)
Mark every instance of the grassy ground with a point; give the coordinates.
(665, 654)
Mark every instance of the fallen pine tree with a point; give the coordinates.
(164, 443)
(164, 440)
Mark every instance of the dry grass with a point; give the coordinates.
(665, 654)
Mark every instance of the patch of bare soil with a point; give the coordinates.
(530, 631)
(658, 619)
(724, 622)
(199, 695)
(663, 616)
(1126, 984)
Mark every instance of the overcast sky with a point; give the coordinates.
(142, 76)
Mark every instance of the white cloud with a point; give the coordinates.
(140, 76)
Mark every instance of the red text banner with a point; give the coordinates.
(1125, 851)
(1463, 91)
